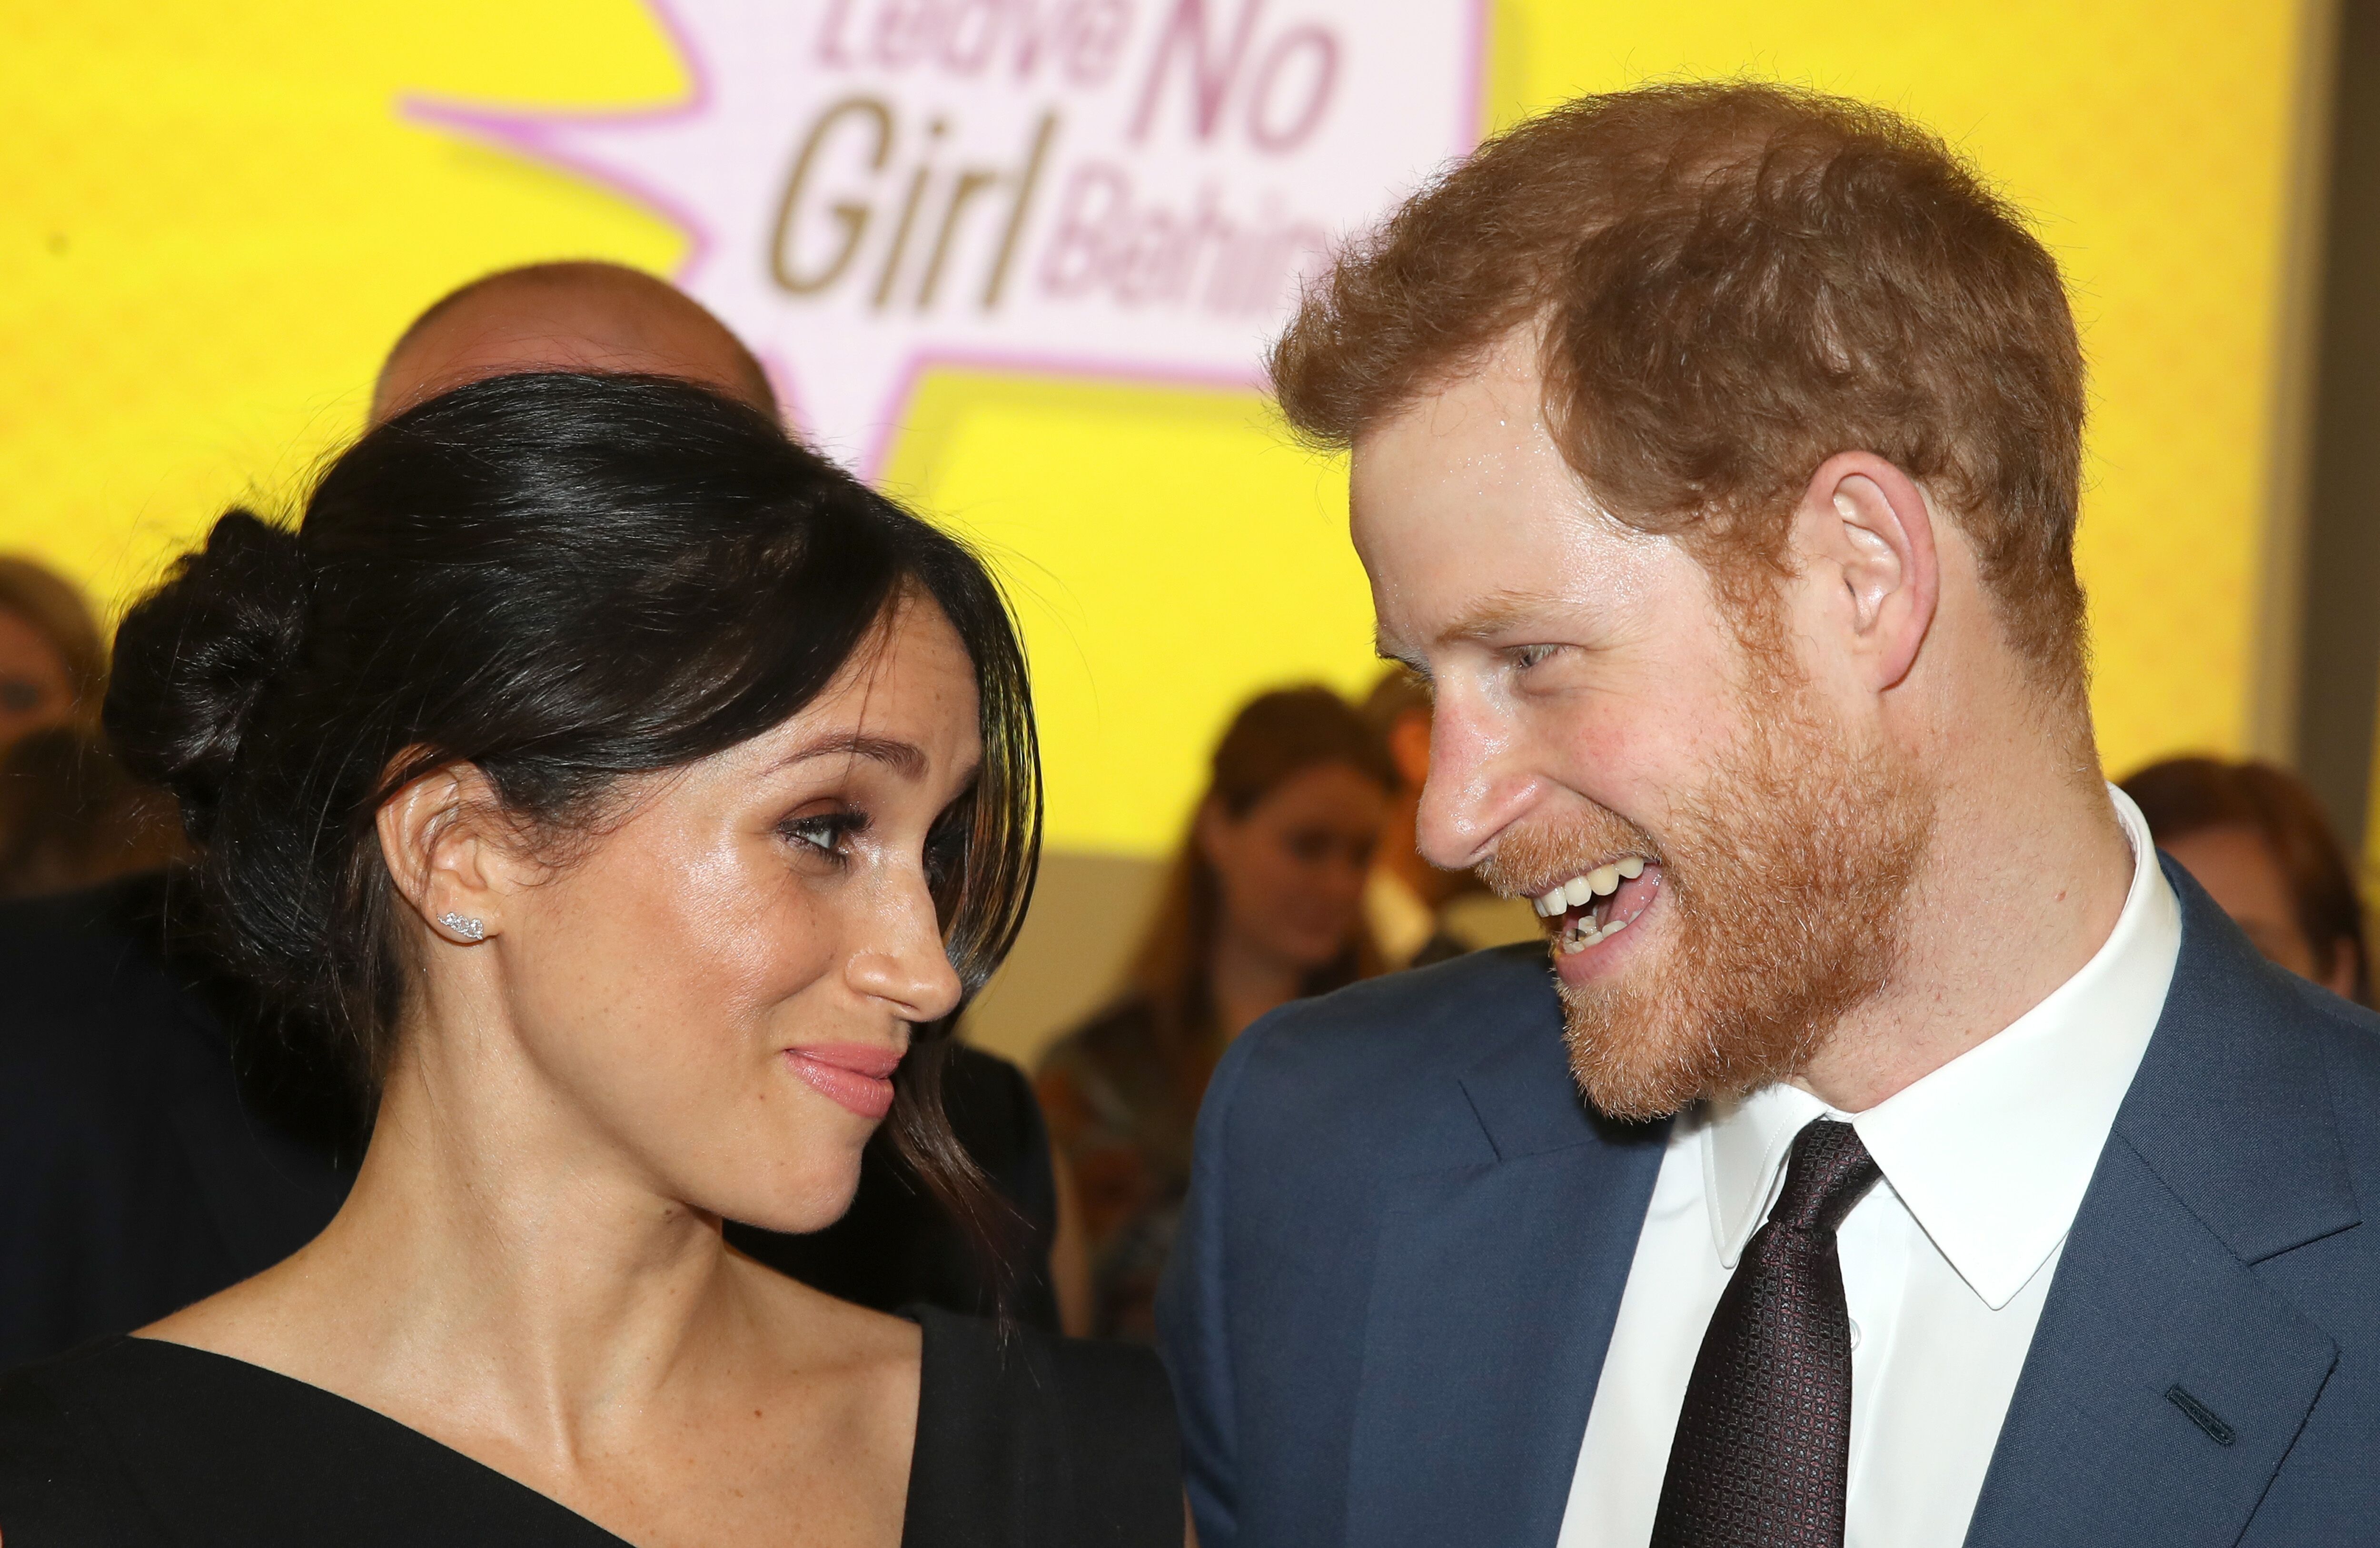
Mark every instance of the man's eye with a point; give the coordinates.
(1527, 656)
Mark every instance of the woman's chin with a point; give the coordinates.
(810, 1201)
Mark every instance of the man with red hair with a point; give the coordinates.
(1947, 1170)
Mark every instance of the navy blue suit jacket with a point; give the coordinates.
(1406, 1239)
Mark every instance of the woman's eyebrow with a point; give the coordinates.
(903, 757)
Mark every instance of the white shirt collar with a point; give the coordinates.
(1991, 1153)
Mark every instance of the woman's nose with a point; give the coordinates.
(908, 965)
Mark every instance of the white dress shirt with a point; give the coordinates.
(1946, 1262)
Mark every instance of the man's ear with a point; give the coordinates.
(442, 838)
(1865, 526)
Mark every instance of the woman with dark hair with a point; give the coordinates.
(634, 798)
(2255, 836)
(1263, 904)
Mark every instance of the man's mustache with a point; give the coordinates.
(1527, 861)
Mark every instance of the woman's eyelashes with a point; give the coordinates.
(825, 834)
(946, 848)
(829, 836)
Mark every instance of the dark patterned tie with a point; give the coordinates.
(1763, 1441)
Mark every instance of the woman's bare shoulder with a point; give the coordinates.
(258, 1321)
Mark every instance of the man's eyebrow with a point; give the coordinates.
(902, 757)
(1496, 613)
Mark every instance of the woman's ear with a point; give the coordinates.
(443, 839)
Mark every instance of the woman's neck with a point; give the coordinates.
(1247, 980)
(497, 1275)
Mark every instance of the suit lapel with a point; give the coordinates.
(2168, 1379)
(1490, 1312)
(2164, 1386)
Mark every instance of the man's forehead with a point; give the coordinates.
(1514, 576)
(1469, 427)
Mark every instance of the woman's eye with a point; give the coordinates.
(945, 852)
(1310, 847)
(830, 832)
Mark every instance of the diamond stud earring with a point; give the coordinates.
(469, 929)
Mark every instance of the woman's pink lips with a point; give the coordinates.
(856, 1075)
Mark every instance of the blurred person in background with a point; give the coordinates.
(2255, 836)
(1263, 904)
(159, 1141)
(69, 815)
(53, 658)
(569, 316)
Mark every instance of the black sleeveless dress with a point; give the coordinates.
(131, 1442)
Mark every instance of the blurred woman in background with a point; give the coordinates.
(69, 814)
(2255, 838)
(53, 661)
(1263, 905)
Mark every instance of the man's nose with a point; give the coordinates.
(1474, 791)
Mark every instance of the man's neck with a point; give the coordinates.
(2024, 880)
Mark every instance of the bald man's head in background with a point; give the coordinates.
(591, 317)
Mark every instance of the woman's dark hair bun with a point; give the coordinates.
(197, 656)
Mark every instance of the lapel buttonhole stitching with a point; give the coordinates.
(2201, 1415)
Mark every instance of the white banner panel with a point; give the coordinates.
(1121, 189)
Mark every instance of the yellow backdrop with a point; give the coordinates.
(215, 222)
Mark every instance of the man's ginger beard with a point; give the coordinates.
(1783, 882)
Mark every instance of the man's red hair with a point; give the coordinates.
(1730, 283)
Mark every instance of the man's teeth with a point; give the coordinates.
(1581, 890)
(1582, 931)
(1574, 943)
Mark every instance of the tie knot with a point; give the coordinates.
(1827, 1173)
